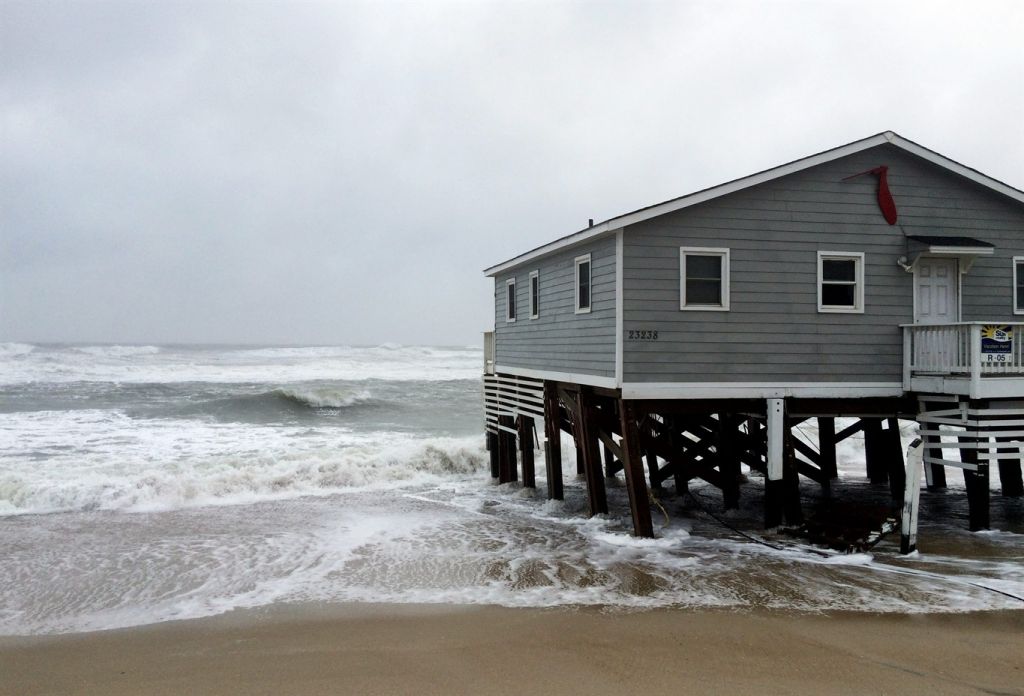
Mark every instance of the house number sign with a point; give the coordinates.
(642, 334)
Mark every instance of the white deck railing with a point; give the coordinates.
(973, 349)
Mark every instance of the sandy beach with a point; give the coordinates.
(366, 649)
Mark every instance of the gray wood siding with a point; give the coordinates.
(559, 339)
(773, 331)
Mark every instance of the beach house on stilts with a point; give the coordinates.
(875, 281)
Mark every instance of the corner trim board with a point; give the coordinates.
(618, 308)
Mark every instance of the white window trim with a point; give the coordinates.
(510, 291)
(858, 290)
(585, 258)
(1013, 300)
(704, 251)
(534, 298)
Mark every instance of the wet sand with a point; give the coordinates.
(360, 649)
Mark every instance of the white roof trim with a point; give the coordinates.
(675, 204)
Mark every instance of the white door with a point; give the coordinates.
(935, 302)
(935, 291)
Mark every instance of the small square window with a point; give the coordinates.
(703, 278)
(510, 299)
(534, 294)
(583, 284)
(840, 281)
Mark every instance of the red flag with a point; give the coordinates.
(885, 201)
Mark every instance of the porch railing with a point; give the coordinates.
(973, 349)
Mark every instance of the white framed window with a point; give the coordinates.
(534, 294)
(841, 281)
(704, 279)
(583, 278)
(1018, 284)
(510, 299)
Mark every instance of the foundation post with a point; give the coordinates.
(553, 442)
(675, 440)
(934, 474)
(506, 450)
(1009, 469)
(492, 450)
(911, 497)
(525, 427)
(728, 460)
(875, 450)
(773, 484)
(977, 486)
(597, 499)
(894, 459)
(790, 479)
(827, 447)
(633, 467)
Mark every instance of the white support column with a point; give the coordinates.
(776, 425)
(911, 497)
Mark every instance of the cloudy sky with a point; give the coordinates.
(340, 172)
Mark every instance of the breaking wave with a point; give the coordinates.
(324, 397)
(14, 350)
(137, 485)
(117, 351)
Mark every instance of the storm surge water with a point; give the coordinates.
(147, 483)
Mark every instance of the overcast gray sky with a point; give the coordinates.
(341, 172)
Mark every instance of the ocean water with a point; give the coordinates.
(141, 484)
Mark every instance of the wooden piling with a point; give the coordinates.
(791, 480)
(728, 460)
(676, 442)
(596, 496)
(875, 451)
(827, 447)
(911, 498)
(525, 427)
(553, 444)
(634, 472)
(977, 486)
(935, 474)
(774, 486)
(1010, 469)
(894, 459)
(492, 449)
(506, 450)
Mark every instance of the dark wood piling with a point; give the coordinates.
(875, 451)
(935, 474)
(791, 480)
(729, 460)
(525, 427)
(976, 482)
(895, 466)
(553, 444)
(596, 496)
(1010, 469)
(507, 465)
(633, 467)
(827, 446)
(492, 450)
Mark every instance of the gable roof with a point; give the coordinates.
(888, 137)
